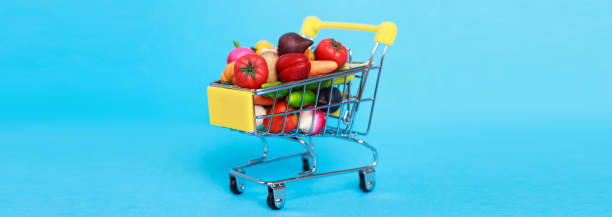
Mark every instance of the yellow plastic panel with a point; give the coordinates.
(231, 108)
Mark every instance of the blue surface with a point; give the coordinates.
(486, 108)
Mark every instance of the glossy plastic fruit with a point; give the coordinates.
(325, 94)
(295, 98)
(281, 93)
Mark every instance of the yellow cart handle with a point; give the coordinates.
(385, 32)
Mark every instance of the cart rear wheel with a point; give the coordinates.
(235, 187)
(305, 164)
(366, 180)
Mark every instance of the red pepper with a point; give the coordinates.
(292, 67)
(276, 126)
(330, 49)
(251, 71)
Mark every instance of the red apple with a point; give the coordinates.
(277, 122)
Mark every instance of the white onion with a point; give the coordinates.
(306, 123)
(259, 110)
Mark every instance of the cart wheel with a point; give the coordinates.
(276, 196)
(235, 187)
(366, 180)
(305, 164)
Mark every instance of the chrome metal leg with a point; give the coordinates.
(276, 189)
(365, 144)
(311, 153)
(265, 151)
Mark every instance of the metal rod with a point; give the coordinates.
(310, 151)
(237, 171)
(265, 152)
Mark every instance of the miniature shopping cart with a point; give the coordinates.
(233, 107)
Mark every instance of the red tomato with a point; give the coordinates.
(292, 67)
(277, 121)
(330, 49)
(251, 71)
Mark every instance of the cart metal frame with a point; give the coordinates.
(343, 129)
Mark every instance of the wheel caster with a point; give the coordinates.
(235, 186)
(276, 196)
(366, 180)
(305, 164)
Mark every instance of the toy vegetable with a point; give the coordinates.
(295, 98)
(292, 43)
(277, 121)
(324, 98)
(292, 67)
(251, 71)
(262, 100)
(238, 52)
(321, 67)
(330, 49)
(259, 110)
(281, 93)
(307, 125)
(228, 73)
(309, 54)
(271, 58)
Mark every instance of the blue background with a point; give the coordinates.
(486, 108)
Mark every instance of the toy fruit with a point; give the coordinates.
(259, 110)
(275, 124)
(228, 73)
(251, 71)
(238, 52)
(309, 54)
(292, 67)
(295, 98)
(292, 43)
(330, 49)
(262, 45)
(324, 98)
(321, 67)
(281, 93)
(309, 126)
(271, 59)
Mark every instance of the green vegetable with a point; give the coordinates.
(281, 93)
(295, 99)
(314, 86)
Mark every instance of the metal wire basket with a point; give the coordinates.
(233, 107)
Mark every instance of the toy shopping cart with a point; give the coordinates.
(347, 91)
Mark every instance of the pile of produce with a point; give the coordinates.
(292, 60)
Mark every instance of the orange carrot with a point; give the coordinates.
(321, 67)
(262, 100)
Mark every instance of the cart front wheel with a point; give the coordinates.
(235, 187)
(276, 196)
(366, 180)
